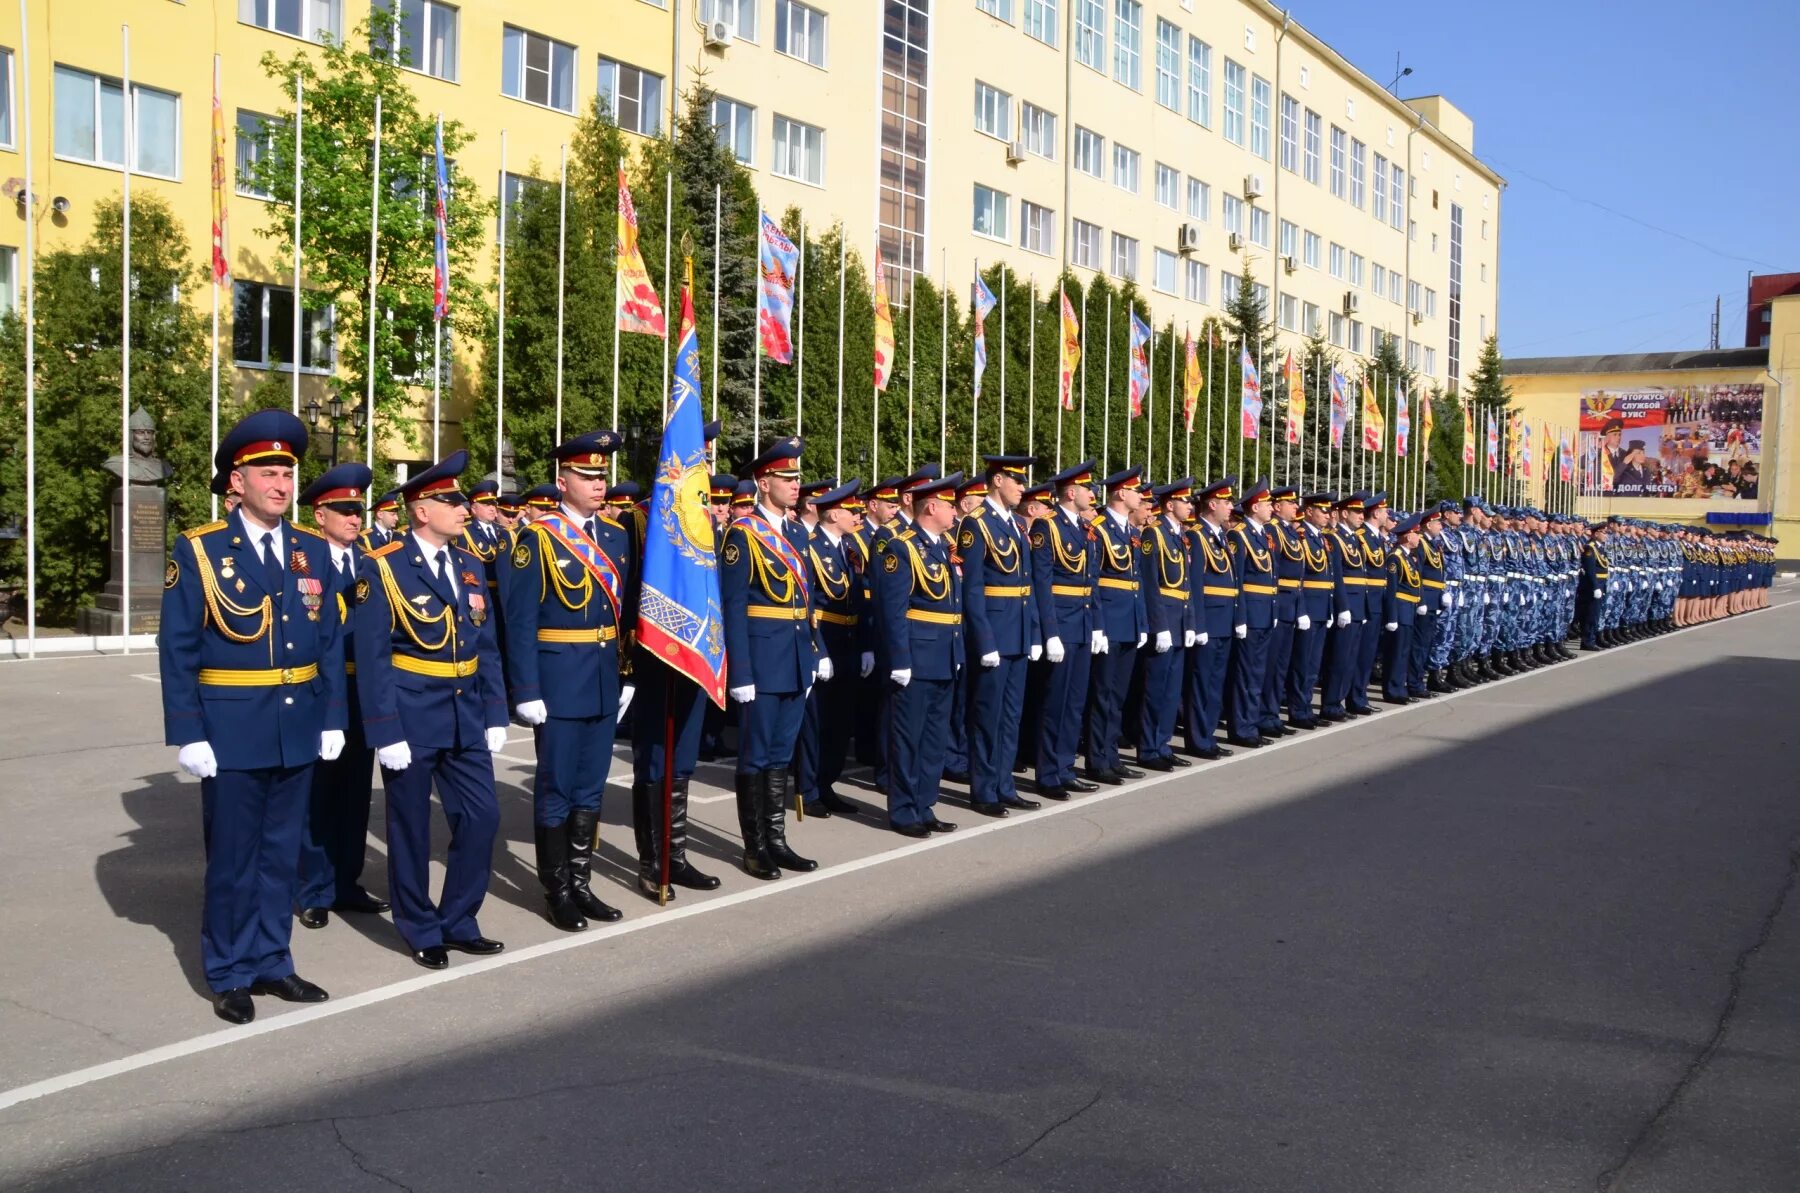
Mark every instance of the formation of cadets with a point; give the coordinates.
(968, 627)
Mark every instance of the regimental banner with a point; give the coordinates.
(1692, 441)
(1140, 365)
(777, 260)
(1071, 353)
(1190, 384)
(1251, 405)
(884, 326)
(640, 310)
(982, 299)
(1340, 407)
(1296, 396)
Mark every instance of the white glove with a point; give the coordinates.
(901, 675)
(1391, 626)
(1242, 631)
(1188, 638)
(626, 692)
(1486, 599)
(991, 659)
(1165, 641)
(1053, 650)
(1303, 622)
(868, 663)
(395, 757)
(1422, 611)
(1142, 638)
(745, 694)
(1099, 644)
(1343, 619)
(1200, 638)
(827, 672)
(331, 744)
(533, 712)
(1037, 652)
(1597, 595)
(197, 759)
(496, 738)
(1505, 599)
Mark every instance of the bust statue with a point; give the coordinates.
(145, 468)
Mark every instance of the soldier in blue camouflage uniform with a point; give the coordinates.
(1451, 625)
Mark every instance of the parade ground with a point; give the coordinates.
(1540, 935)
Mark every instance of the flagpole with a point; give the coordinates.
(125, 340)
(500, 329)
(374, 248)
(668, 270)
(912, 279)
(294, 357)
(618, 295)
(562, 240)
(1082, 451)
(980, 326)
(1002, 360)
(843, 242)
(1106, 399)
(28, 280)
(1237, 354)
(1062, 296)
(799, 331)
(1209, 333)
(718, 257)
(1031, 375)
(437, 328)
(756, 368)
(1169, 451)
(1149, 399)
(943, 362)
(219, 199)
(1187, 456)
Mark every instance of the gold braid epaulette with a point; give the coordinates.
(401, 615)
(197, 531)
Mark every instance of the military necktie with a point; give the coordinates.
(272, 564)
(588, 527)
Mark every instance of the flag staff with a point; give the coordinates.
(799, 329)
(842, 260)
(756, 368)
(912, 280)
(562, 241)
(499, 331)
(130, 120)
(1031, 374)
(28, 280)
(1211, 334)
(374, 246)
(1106, 397)
(218, 248)
(718, 258)
(943, 361)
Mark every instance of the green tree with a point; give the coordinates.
(1491, 397)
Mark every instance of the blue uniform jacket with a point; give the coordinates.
(1321, 576)
(999, 614)
(1375, 552)
(1165, 573)
(1290, 568)
(1255, 557)
(1214, 582)
(565, 636)
(1400, 606)
(1353, 595)
(1430, 561)
(1119, 606)
(770, 640)
(1065, 562)
(838, 602)
(920, 594)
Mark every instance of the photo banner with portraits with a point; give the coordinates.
(1688, 441)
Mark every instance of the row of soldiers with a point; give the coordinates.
(978, 626)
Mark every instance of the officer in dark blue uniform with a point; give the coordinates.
(1286, 539)
(1320, 578)
(720, 488)
(337, 820)
(892, 500)
(483, 537)
(772, 654)
(969, 496)
(919, 595)
(1164, 569)
(1000, 627)
(540, 499)
(1255, 559)
(1429, 558)
(252, 666)
(384, 518)
(569, 615)
(1338, 698)
(434, 708)
(1596, 575)
(1065, 562)
(1400, 607)
(1121, 614)
(845, 633)
(1375, 544)
(1213, 581)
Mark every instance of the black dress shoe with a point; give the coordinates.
(314, 917)
(1309, 724)
(990, 808)
(1213, 755)
(292, 988)
(1246, 743)
(479, 946)
(1334, 717)
(1177, 762)
(940, 826)
(817, 808)
(234, 1005)
(432, 958)
(1157, 764)
(1276, 731)
(361, 902)
(957, 776)
(1081, 785)
(1019, 803)
(1396, 700)
(912, 830)
(1127, 774)
(1103, 775)
(836, 803)
(1059, 794)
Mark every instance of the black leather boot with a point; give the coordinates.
(646, 822)
(553, 872)
(581, 826)
(778, 790)
(1439, 682)
(682, 871)
(757, 862)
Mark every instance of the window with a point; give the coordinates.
(6, 106)
(736, 125)
(1163, 279)
(1396, 200)
(1412, 296)
(513, 189)
(1086, 238)
(1199, 82)
(296, 18)
(1337, 261)
(1309, 318)
(1290, 313)
(1260, 101)
(90, 123)
(1412, 356)
(1356, 335)
(1037, 228)
(1090, 34)
(1356, 269)
(633, 96)
(255, 142)
(1379, 208)
(1168, 186)
(540, 71)
(1090, 152)
(1484, 235)
(1290, 134)
(990, 212)
(1290, 239)
(1125, 168)
(1168, 65)
(1434, 240)
(1393, 285)
(1228, 287)
(1128, 43)
(1311, 160)
(1430, 303)
(427, 40)
(799, 151)
(1311, 243)
(1378, 279)
(1199, 200)
(262, 330)
(1233, 213)
(1259, 225)
(1259, 293)
(1359, 170)
(993, 111)
(740, 15)
(996, 8)
(1339, 151)
(1484, 271)
(1431, 361)
(1038, 128)
(1124, 257)
(1234, 102)
(1041, 21)
(9, 280)
(1196, 281)
(1337, 329)
(800, 32)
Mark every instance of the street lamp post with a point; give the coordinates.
(333, 411)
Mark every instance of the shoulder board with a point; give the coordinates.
(392, 547)
(907, 534)
(462, 550)
(307, 530)
(209, 528)
(610, 520)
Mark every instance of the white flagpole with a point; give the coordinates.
(912, 278)
(1209, 333)
(28, 279)
(125, 344)
(1061, 296)
(843, 259)
(718, 259)
(1106, 399)
(1002, 360)
(1174, 362)
(1082, 449)
(437, 324)
(1237, 355)
(1031, 375)
(1187, 455)
(619, 248)
(500, 321)
(943, 362)
(374, 245)
(668, 260)
(756, 367)
(213, 355)
(1149, 400)
(294, 356)
(799, 333)
(562, 245)
(974, 381)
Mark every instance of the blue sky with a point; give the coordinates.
(1675, 114)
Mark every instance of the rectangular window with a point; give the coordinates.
(538, 70)
(513, 189)
(6, 105)
(1379, 208)
(1377, 279)
(1195, 290)
(262, 330)
(1164, 277)
(1310, 167)
(1431, 361)
(296, 18)
(996, 8)
(1356, 269)
(1396, 199)
(1168, 65)
(1235, 76)
(1037, 228)
(1199, 82)
(427, 40)
(799, 151)
(1086, 244)
(736, 125)
(1232, 211)
(1199, 200)
(9, 280)
(1356, 335)
(1290, 134)
(1337, 260)
(1290, 239)
(1359, 170)
(633, 96)
(1290, 313)
(1412, 296)
(1412, 356)
(1259, 226)
(1311, 241)
(255, 142)
(993, 111)
(1430, 303)
(1168, 186)
(1124, 257)
(990, 212)
(739, 15)
(89, 121)
(1228, 287)
(1038, 128)
(1309, 318)
(1261, 97)
(1125, 168)
(1128, 43)
(1040, 20)
(1340, 150)
(1337, 329)
(1259, 293)
(1393, 285)
(1090, 34)
(800, 32)
(1090, 152)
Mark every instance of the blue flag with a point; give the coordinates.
(440, 273)
(983, 301)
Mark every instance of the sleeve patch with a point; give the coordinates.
(1037, 539)
(891, 563)
(521, 556)
(362, 591)
(731, 554)
(967, 539)
(172, 574)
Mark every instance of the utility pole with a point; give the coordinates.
(1714, 341)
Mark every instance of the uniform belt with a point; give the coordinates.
(777, 612)
(1288, 583)
(1007, 590)
(1210, 590)
(461, 669)
(1327, 585)
(1260, 589)
(605, 633)
(1126, 585)
(827, 616)
(1407, 596)
(269, 677)
(934, 617)
(1175, 594)
(1602, 575)
(1077, 590)
(1434, 583)
(1366, 581)
(349, 668)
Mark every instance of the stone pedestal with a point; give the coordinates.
(149, 559)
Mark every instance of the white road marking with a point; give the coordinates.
(148, 678)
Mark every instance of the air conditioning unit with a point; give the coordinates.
(1352, 302)
(1236, 241)
(1253, 186)
(718, 34)
(1418, 317)
(1288, 263)
(1188, 239)
(1015, 152)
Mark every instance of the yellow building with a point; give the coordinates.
(1163, 141)
(1705, 409)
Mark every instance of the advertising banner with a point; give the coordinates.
(1673, 441)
